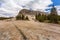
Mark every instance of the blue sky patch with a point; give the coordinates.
(56, 2)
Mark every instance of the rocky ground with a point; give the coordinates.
(28, 30)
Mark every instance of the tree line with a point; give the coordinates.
(22, 17)
(53, 17)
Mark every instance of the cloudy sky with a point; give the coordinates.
(12, 7)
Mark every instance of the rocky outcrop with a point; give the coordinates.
(25, 11)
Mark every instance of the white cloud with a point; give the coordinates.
(42, 4)
(58, 9)
(10, 7)
(13, 6)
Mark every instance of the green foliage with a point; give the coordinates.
(3, 18)
(40, 17)
(53, 18)
(26, 18)
(59, 17)
(18, 17)
(36, 16)
(21, 17)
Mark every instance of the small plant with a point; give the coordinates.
(40, 17)
(18, 17)
(23, 17)
(26, 18)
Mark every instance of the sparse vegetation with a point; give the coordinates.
(18, 17)
(40, 17)
(22, 17)
(59, 18)
(3, 18)
(53, 17)
(26, 18)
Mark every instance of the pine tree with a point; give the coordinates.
(53, 15)
(36, 16)
(40, 17)
(26, 18)
(18, 17)
(23, 17)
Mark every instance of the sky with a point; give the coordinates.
(9, 8)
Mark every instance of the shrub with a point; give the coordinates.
(53, 18)
(23, 17)
(40, 17)
(18, 17)
(26, 18)
(59, 17)
(36, 16)
(3, 18)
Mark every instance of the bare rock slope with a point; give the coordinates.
(28, 30)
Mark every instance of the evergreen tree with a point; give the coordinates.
(23, 17)
(18, 17)
(26, 18)
(36, 16)
(59, 18)
(40, 17)
(53, 15)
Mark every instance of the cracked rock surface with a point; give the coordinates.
(29, 29)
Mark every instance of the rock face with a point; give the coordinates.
(25, 11)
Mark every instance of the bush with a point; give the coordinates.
(50, 17)
(40, 17)
(59, 18)
(3, 18)
(18, 17)
(21, 17)
(26, 18)
(36, 16)
(53, 18)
